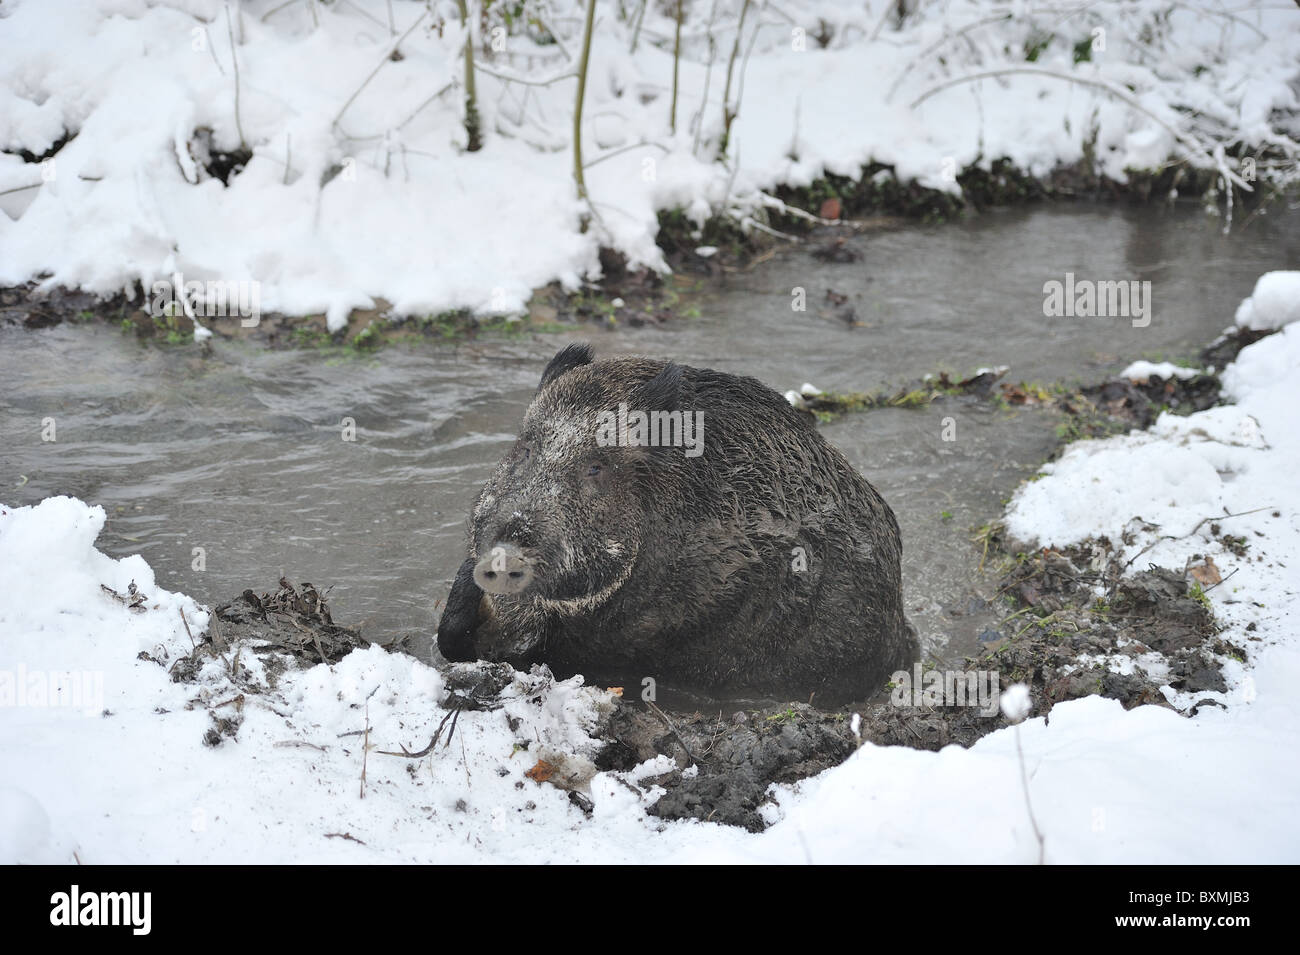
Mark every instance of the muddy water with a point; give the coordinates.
(244, 453)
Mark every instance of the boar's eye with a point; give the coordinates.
(526, 452)
(593, 470)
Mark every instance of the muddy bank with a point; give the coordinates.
(875, 197)
(1088, 411)
(822, 217)
(1058, 636)
(635, 299)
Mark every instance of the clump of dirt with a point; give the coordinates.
(292, 622)
(223, 727)
(725, 764)
(1224, 350)
(291, 626)
(1140, 402)
(1147, 630)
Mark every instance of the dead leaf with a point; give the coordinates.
(1206, 574)
(541, 772)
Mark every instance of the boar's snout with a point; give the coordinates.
(504, 571)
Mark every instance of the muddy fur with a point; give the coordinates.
(645, 562)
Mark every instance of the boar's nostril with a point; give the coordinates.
(504, 570)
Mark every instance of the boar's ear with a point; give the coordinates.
(667, 391)
(566, 359)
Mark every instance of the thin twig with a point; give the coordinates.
(636, 31)
(512, 78)
(728, 114)
(365, 750)
(1024, 782)
(379, 66)
(946, 38)
(1174, 537)
(1122, 95)
(672, 729)
(234, 59)
(415, 112)
(622, 149)
(555, 35)
(578, 179)
(437, 734)
(187, 627)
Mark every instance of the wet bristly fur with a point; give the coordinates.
(652, 563)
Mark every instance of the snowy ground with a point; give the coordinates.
(360, 188)
(110, 765)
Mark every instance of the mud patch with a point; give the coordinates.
(723, 765)
(1080, 628)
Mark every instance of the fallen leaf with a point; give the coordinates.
(1206, 574)
(541, 772)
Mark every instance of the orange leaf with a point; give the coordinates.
(1206, 574)
(541, 772)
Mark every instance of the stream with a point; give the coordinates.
(242, 453)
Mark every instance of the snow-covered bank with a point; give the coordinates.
(131, 778)
(359, 187)
(1274, 302)
(114, 767)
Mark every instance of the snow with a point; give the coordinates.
(1274, 303)
(1143, 370)
(133, 782)
(1015, 702)
(360, 189)
(128, 779)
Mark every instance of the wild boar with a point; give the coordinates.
(682, 524)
